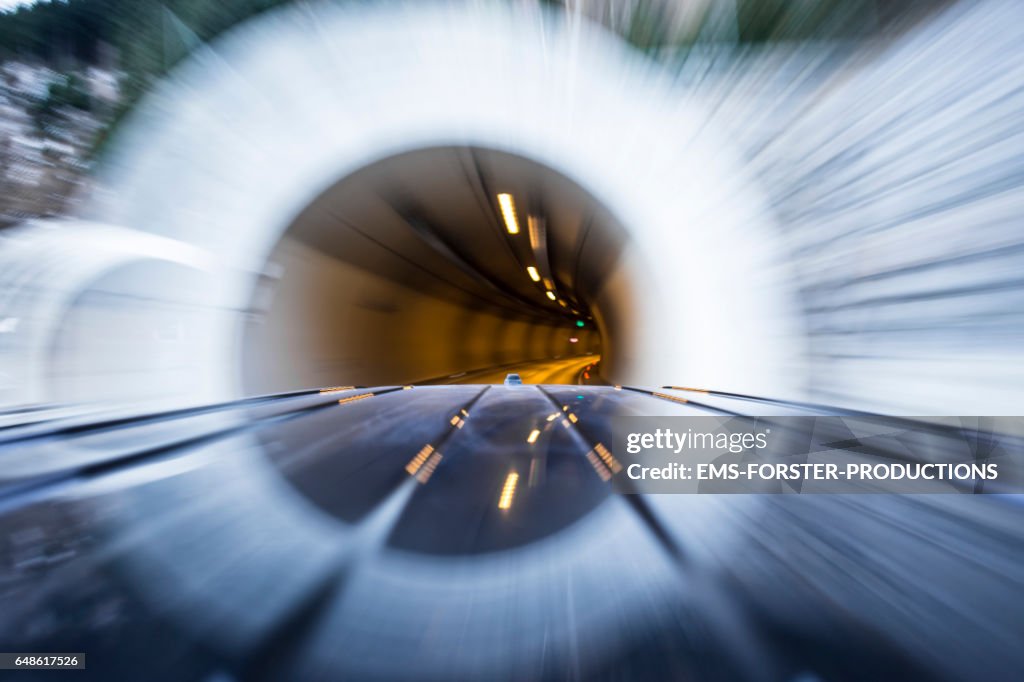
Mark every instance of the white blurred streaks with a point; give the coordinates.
(895, 172)
(66, 288)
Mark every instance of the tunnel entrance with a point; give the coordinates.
(441, 263)
(354, 230)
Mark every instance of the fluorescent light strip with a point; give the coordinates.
(508, 212)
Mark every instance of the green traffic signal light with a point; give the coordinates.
(579, 323)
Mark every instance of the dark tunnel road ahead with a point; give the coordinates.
(569, 370)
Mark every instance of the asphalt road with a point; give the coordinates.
(467, 532)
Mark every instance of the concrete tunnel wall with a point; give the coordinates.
(363, 329)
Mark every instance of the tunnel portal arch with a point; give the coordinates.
(247, 134)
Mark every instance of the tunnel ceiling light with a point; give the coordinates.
(354, 398)
(508, 491)
(551, 294)
(533, 227)
(508, 212)
(532, 438)
(423, 475)
(534, 275)
(562, 303)
(416, 462)
(335, 389)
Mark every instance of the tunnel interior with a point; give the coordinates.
(438, 262)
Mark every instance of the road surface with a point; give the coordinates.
(417, 533)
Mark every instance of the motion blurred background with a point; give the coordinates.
(809, 205)
(812, 200)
